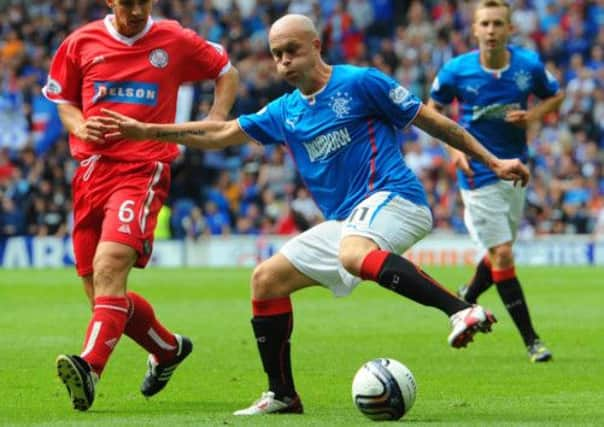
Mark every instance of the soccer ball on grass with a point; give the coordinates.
(384, 389)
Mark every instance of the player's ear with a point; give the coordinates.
(316, 44)
(109, 3)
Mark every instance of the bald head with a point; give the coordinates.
(296, 48)
(293, 24)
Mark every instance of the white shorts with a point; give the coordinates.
(493, 213)
(392, 222)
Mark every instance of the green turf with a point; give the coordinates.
(43, 313)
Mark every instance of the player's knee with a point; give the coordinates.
(352, 252)
(111, 262)
(503, 256)
(270, 280)
(351, 260)
(262, 283)
(110, 271)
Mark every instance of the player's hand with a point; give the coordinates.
(511, 170)
(518, 118)
(92, 130)
(121, 126)
(460, 160)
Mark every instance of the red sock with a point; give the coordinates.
(372, 264)
(271, 307)
(144, 328)
(104, 330)
(502, 275)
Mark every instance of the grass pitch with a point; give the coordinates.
(44, 313)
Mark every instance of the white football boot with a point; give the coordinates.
(465, 323)
(267, 404)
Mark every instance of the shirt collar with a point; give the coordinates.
(121, 38)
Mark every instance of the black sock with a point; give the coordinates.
(405, 278)
(481, 281)
(512, 296)
(272, 336)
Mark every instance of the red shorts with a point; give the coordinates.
(116, 202)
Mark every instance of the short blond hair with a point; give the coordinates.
(483, 4)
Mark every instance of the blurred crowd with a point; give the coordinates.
(252, 190)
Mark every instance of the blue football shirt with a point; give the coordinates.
(485, 96)
(342, 138)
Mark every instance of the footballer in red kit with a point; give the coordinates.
(130, 63)
(97, 67)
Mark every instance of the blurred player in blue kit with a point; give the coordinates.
(493, 85)
(339, 125)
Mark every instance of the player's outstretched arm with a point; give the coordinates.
(202, 135)
(458, 158)
(523, 118)
(445, 129)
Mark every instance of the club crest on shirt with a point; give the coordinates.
(523, 80)
(340, 104)
(158, 58)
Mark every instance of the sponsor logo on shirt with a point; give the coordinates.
(324, 145)
(493, 111)
(472, 89)
(291, 121)
(111, 343)
(141, 93)
(124, 228)
(97, 60)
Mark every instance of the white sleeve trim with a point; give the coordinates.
(248, 135)
(57, 101)
(440, 104)
(225, 69)
(410, 122)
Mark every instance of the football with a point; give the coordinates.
(384, 389)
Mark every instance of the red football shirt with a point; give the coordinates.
(96, 67)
